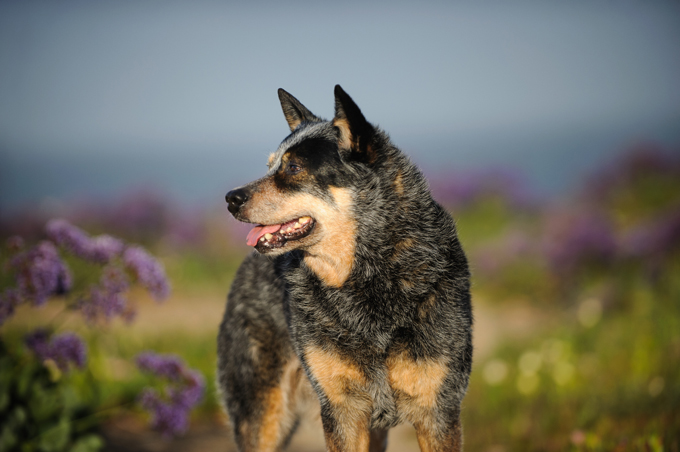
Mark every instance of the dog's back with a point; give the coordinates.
(365, 295)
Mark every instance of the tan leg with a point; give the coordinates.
(345, 436)
(437, 438)
(278, 416)
(345, 404)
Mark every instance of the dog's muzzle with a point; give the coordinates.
(236, 198)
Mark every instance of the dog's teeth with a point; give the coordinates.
(296, 225)
(268, 236)
(289, 229)
(305, 220)
(261, 239)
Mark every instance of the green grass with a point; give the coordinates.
(603, 380)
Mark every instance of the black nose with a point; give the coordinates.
(236, 198)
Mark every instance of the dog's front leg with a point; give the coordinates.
(440, 434)
(346, 426)
(346, 405)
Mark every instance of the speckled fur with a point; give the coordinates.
(388, 343)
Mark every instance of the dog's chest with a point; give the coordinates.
(390, 391)
(360, 349)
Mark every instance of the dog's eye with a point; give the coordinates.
(293, 168)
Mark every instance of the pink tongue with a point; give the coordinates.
(258, 231)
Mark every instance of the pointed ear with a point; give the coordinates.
(355, 133)
(294, 111)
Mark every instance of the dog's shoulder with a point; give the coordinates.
(258, 288)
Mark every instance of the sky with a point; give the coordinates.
(100, 98)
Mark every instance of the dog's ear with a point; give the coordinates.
(354, 131)
(294, 111)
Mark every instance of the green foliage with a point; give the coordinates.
(596, 370)
(39, 411)
(605, 382)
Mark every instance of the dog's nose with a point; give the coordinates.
(236, 198)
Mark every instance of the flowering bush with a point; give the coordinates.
(170, 410)
(37, 274)
(39, 408)
(458, 191)
(62, 349)
(576, 240)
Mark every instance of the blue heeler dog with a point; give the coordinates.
(357, 298)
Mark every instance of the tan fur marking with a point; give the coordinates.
(333, 373)
(403, 245)
(418, 383)
(362, 438)
(399, 184)
(292, 388)
(265, 199)
(426, 305)
(244, 430)
(425, 444)
(356, 439)
(330, 249)
(331, 259)
(419, 379)
(270, 160)
(291, 118)
(331, 444)
(407, 284)
(344, 385)
(345, 141)
(449, 441)
(280, 406)
(269, 434)
(372, 156)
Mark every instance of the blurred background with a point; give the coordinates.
(550, 130)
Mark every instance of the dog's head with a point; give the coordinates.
(306, 197)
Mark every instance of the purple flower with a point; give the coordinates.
(99, 249)
(515, 245)
(68, 348)
(40, 273)
(100, 302)
(622, 174)
(170, 411)
(167, 366)
(107, 298)
(9, 299)
(70, 237)
(462, 190)
(574, 239)
(141, 214)
(193, 390)
(186, 230)
(38, 341)
(170, 418)
(103, 248)
(655, 240)
(63, 349)
(150, 273)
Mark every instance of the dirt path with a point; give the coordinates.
(201, 314)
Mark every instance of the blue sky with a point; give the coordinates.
(92, 85)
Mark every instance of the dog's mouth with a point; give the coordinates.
(270, 237)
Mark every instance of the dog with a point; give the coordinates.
(356, 299)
